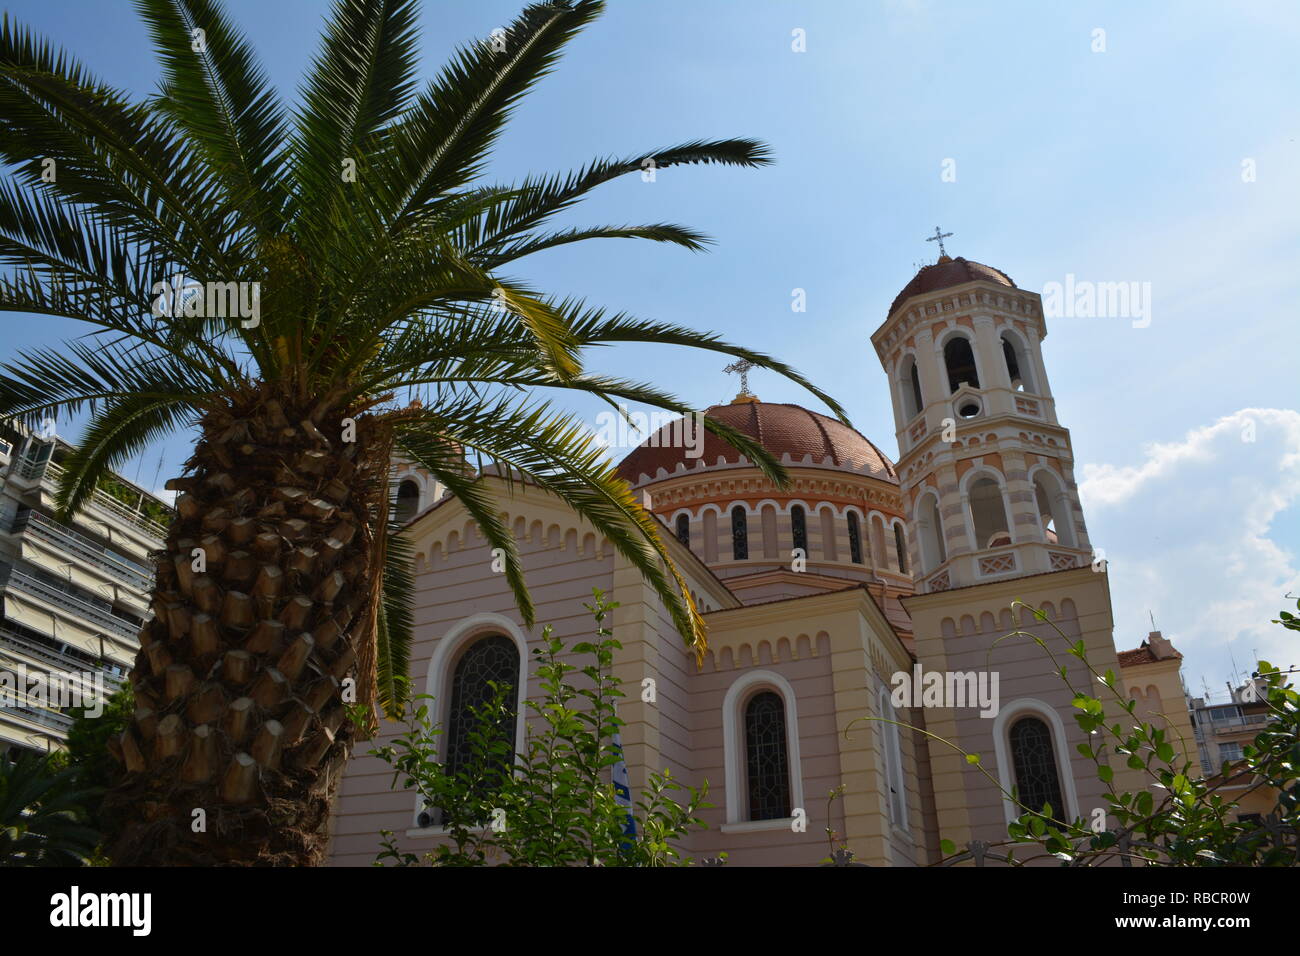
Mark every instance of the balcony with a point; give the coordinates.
(49, 475)
(17, 643)
(68, 602)
(50, 718)
(128, 572)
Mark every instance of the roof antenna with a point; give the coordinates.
(158, 470)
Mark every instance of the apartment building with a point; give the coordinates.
(74, 596)
(1222, 729)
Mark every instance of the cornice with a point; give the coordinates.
(975, 296)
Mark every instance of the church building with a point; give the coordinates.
(827, 601)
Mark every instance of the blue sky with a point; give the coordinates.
(1121, 165)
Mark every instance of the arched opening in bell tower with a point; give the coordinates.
(1019, 370)
(930, 528)
(1053, 509)
(988, 514)
(959, 360)
(910, 383)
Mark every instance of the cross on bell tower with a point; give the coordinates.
(939, 237)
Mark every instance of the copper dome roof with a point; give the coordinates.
(783, 429)
(949, 272)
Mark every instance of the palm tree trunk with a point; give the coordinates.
(262, 634)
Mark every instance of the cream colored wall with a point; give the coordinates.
(832, 648)
(824, 646)
(454, 581)
(957, 631)
(1158, 690)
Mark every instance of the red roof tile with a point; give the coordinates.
(949, 272)
(783, 429)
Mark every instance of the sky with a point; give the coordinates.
(1112, 142)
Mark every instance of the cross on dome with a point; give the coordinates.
(741, 367)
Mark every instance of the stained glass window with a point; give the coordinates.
(489, 659)
(684, 529)
(767, 760)
(1034, 760)
(739, 533)
(855, 539)
(799, 528)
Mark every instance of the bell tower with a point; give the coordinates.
(985, 467)
(987, 476)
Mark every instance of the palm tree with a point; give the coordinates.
(43, 818)
(377, 249)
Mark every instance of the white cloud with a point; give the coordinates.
(1191, 533)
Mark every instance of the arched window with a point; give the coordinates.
(988, 514)
(1053, 510)
(799, 528)
(1017, 360)
(739, 533)
(933, 551)
(855, 539)
(900, 548)
(684, 529)
(1033, 758)
(767, 762)
(487, 660)
(911, 386)
(959, 359)
(408, 501)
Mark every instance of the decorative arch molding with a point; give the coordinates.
(789, 647)
(906, 352)
(448, 649)
(548, 533)
(733, 745)
(1060, 748)
(789, 505)
(689, 512)
(425, 484)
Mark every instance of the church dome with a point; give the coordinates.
(795, 435)
(946, 273)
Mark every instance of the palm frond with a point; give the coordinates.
(214, 89)
(393, 629)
